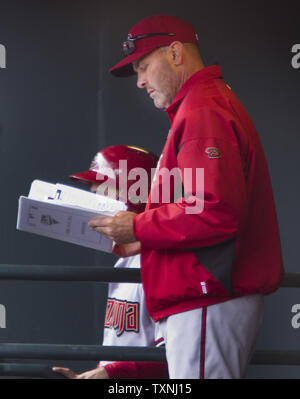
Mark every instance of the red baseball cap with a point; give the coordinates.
(149, 34)
(105, 167)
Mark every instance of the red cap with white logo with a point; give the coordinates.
(149, 34)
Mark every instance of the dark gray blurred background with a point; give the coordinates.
(59, 105)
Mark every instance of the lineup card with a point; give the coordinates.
(62, 222)
(62, 212)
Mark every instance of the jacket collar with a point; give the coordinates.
(204, 75)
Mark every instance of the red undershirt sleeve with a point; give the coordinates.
(138, 370)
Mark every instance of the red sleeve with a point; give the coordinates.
(221, 197)
(140, 370)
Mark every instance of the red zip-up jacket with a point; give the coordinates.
(229, 245)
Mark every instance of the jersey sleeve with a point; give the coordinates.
(138, 370)
(214, 201)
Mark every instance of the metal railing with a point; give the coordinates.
(19, 351)
(93, 274)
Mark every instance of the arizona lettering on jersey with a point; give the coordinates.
(127, 323)
(122, 316)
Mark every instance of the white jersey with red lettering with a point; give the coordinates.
(127, 322)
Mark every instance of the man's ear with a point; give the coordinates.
(176, 52)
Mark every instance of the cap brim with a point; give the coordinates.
(124, 68)
(122, 71)
(87, 177)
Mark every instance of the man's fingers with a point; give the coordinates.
(120, 213)
(106, 231)
(118, 228)
(100, 222)
(65, 371)
(101, 225)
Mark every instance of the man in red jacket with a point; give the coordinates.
(210, 254)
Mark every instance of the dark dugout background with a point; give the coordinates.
(59, 105)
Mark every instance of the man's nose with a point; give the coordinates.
(141, 81)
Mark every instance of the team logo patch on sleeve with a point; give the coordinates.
(213, 152)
